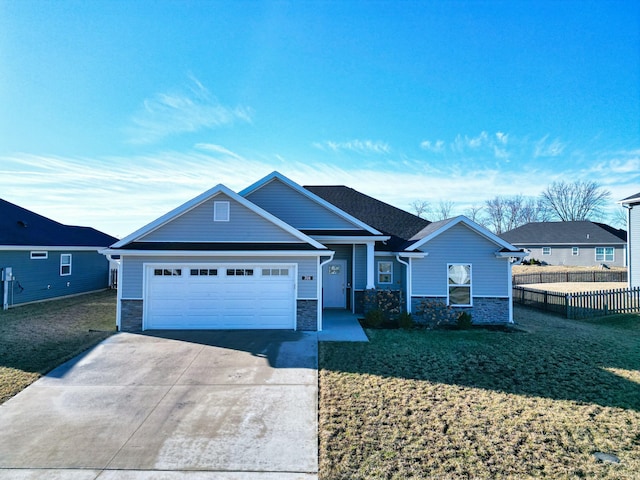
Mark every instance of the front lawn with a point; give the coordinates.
(37, 338)
(484, 404)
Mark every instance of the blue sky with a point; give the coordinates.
(114, 112)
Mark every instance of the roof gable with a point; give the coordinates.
(438, 228)
(22, 227)
(247, 224)
(300, 207)
(565, 233)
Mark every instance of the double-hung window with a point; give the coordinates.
(65, 264)
(459, 285)
(385, 272)
(604, 254)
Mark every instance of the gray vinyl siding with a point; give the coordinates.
(561, 255)
(460, 245)
(296, 209)
(634, 246)
(360, 282)
(197, 225)
(40, 279)
(133, 267)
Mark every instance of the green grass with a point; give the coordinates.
(484, 404)
(36, 338)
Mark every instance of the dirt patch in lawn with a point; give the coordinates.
(480, 404)
(576, 287)
(36, 338)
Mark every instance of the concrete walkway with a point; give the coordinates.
(341, 326)
(230, 405)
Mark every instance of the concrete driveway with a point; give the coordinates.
(193, 405)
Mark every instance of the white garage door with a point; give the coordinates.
(220, 297)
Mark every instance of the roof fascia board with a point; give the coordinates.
(402, 254)
(312, 196)
(348, 239)
(203, 197)
(65, 248)
(572, 244)
(629, 201)
(469, 224)
(214, 253)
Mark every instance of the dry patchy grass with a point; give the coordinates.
(481, 404)
(517, 269)
(37, 338)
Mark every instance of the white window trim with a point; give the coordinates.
(547, 249)
(221, 211)
(575, 251)
(39, 253)
(390, 273)
(604, 254)
(470, 285)
(63, 264)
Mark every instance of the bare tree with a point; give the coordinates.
(506, 213)
(575, 201)
(474, 213)
(421, 208)
(445, 207)
(619, 218)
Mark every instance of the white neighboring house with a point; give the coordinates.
(632, 204)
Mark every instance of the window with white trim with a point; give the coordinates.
(39, 255)
(65, 264)
(275, 272)
(546, 250)
(220, 211)
(239, 272)
(604, 254)
(203, 272)
(385, 272)
(167, 272)
(459, 285)
(575, 251)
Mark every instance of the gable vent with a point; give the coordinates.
(220, 211)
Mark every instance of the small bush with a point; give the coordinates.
(464, 321)
(405, 320)
(374, 318)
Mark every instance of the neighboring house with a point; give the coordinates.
(43, 259)
(571, 243)
(632, 204)
(276, 254)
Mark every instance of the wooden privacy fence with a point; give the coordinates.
(579, 276)
(583, 304)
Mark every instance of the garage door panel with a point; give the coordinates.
(198, 299)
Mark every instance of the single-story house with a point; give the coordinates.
(276, 254)
(581, 243)
(42, 259)
(632, 204)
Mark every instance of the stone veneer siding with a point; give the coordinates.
(131, 315)
(307, 315)
(485, 311)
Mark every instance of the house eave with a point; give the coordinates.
(349, 239)
(26, 248)
(216, 253)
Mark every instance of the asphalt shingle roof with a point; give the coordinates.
(21, 227)
(570, 233)
(390, 220)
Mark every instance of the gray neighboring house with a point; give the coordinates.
(277, 254)
(582, 243)
(42, 259)
(632, 204)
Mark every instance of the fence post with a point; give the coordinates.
(567, 305)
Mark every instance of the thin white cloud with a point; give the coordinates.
(189, 110)
(356, 146)
(436, 146)
(120, 194)
(544, 148)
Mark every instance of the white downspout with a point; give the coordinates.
(408, 265)
(319, 288)
(118, 290)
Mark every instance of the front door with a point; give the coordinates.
(334, 283)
